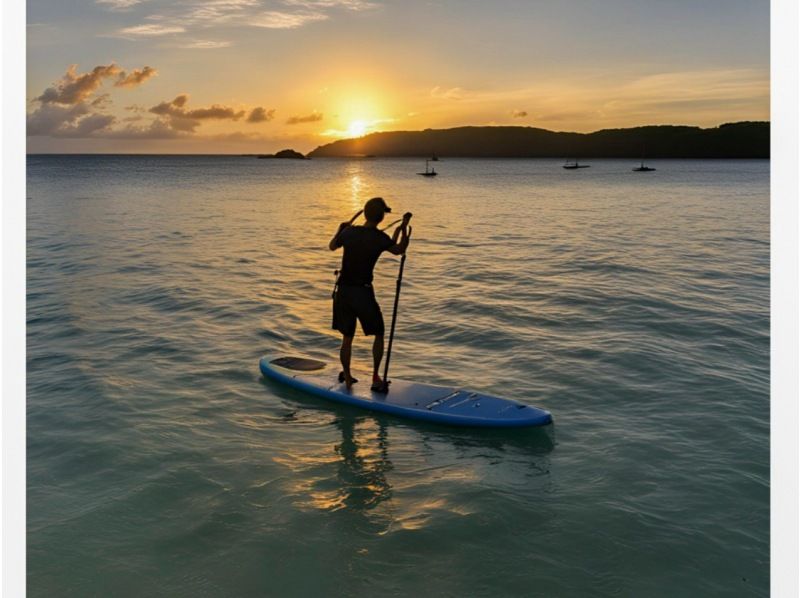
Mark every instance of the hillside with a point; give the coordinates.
(732, 140)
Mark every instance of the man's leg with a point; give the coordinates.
(344, 355)
(377, 355)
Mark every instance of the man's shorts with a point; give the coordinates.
(351, 303)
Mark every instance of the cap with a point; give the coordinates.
(375, 208)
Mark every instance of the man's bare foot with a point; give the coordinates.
(347, 379)
(378, 385)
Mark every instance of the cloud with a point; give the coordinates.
(348, 4)
(215, 112)
(200, 44)
(135, 77)
(179, 118)
(151, 30)
(286, 20)
(49, 118)
(74, 88)
(189, 15)
(101, 101)
(66, 121)
(70, 109)
(310, 118)
(519, 113)
(260, 115)
(454, 93)
(119, 4)
(218, 11)
(172, 108)
(87, 126)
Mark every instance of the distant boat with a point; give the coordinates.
(643, 168)
(428, 171)
(574, 164)
(434, 157)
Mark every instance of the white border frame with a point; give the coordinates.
(12, 324)
(785, 324)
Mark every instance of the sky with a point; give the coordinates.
(257, 76)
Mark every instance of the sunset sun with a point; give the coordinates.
(357, 128)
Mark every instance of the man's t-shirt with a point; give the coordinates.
(363, 246)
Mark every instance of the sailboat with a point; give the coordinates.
(643, 168)
(574, 164)
(428, 171)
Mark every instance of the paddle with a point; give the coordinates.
(385, 387)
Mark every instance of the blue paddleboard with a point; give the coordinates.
(414, 400)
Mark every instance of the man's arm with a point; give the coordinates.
(400, 248)
(405, 231)
(335, 244)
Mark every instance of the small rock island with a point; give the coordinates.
(287, 154)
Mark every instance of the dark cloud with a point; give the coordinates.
(86, 127)
(296, 120)
(67, 121)
(260, 115)
(171, 108)
(74, 88)
(135, 77)
(176, 109)
(101, 101)
(70, 108)
(519, 113)
(48, 118)
(181, 119)
(215, 111)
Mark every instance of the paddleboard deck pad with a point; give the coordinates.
(415, 400)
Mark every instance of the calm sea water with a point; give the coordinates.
(633, 306)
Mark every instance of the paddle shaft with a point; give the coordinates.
(394, 320)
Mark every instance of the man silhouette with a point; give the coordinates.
(354, 297)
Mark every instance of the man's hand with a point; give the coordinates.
(405, 237)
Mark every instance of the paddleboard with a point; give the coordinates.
(414, 400)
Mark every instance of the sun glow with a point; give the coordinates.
(357, 128)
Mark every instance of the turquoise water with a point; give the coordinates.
(633, 306)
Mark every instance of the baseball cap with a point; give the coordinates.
(375, 208)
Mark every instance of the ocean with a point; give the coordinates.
(632, 306)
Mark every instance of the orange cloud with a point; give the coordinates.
(135, 77)
(260, 115)
(180, 119)
(296, 120)
(74, 88)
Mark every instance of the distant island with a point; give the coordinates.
(287, 154)
(732, 140)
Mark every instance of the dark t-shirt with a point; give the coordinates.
(363, 246)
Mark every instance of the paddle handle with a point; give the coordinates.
(394, 320)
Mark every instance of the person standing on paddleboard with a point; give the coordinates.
(354, 297)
